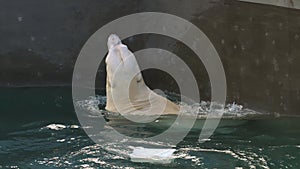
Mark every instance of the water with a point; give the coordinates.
(39, 129)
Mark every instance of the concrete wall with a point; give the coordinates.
(259, 45)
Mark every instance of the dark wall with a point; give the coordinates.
(259, 45)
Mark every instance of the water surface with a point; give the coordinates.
(39, 129)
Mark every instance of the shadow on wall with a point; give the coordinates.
(258, 45)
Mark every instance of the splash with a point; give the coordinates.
(95, 105)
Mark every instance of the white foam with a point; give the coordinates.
(61, 140)
(151, 155)
(56, 126)
(74, 126)
(61, 126)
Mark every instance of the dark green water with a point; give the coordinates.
(27, 140)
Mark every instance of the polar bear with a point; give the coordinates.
(125, 88)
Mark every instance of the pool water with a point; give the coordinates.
(39, 129)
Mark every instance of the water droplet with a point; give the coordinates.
(223, 41)
(257, 62)
(242, 70)
(243, 47)
(20, 18)
(275, 65)
(235, 27)
(273, 42)
(296, 37)
(234, 46)
(32, 38)
(290, 60)
(267, 34)
(39, 74)
(267, 92)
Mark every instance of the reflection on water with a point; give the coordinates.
(265, 142)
